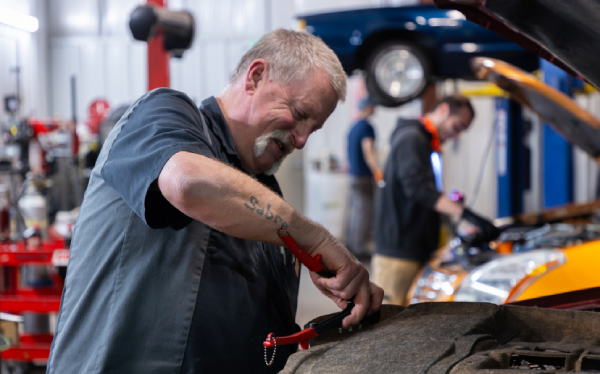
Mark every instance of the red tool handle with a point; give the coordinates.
(301, 337)
(312, 263)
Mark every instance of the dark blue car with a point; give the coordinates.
(401, 49)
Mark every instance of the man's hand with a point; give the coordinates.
(351, 281)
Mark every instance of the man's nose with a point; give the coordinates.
(300, 135)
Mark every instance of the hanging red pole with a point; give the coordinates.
(158, 58)
(168, 34)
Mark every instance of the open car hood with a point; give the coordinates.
(566, 33)
(577, 125)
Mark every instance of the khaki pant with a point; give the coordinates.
(395, 276)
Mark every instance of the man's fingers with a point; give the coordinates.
(343, 278)
(345, 284)
(365, 303)
(376, 298)
(351, 281)
(362, 300)
(339, 301)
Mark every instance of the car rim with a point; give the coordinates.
(399, 73)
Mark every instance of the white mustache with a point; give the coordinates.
(261, 143)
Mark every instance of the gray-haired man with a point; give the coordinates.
(176, 265)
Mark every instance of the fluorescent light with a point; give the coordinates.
(19, 20)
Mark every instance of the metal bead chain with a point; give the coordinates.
(269, 363)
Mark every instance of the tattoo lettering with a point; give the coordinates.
(253, 201)
(268, 213)
(253, 205)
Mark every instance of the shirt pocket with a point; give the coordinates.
(238, 254)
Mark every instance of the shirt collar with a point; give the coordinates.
(435, 138)
(210, 107)
(218, 125)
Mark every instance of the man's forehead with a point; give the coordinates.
(312, 103)
(315, 81)
(465, 115)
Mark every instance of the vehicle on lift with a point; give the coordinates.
(401, 49)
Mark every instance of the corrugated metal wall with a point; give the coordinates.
(29, 51)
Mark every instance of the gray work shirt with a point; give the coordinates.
(148, 289)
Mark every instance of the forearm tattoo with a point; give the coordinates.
(254, 206)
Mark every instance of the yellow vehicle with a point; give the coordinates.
(540, 254)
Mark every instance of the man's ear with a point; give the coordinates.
(443, 110)
(255, 75)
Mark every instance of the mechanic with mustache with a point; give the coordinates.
(408, 207)
(176, 265)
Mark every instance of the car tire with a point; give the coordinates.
(386, 73)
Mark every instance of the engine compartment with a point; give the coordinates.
(499, 271)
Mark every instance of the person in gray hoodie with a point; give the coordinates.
(408, 207)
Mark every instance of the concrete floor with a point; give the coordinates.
(311, 302)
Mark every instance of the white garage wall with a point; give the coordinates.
(462, 160)
(90, 39)
(29, 51)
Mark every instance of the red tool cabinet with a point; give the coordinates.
(17, 299)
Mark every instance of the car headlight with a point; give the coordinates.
(433, 285)
(504, 279)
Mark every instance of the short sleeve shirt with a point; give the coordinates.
(150, 290)
(358, 166)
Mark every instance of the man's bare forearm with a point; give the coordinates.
(368, 148)
(232, 202)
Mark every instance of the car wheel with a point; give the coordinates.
(396, 73)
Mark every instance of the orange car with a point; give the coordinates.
(538, 255)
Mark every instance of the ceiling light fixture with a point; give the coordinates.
(19, 20)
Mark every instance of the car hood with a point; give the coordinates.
(577, 125)
(566, 33)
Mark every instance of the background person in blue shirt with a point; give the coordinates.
(364, 168)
